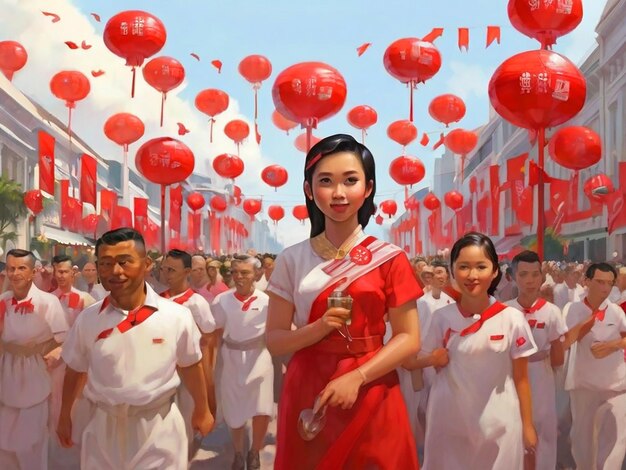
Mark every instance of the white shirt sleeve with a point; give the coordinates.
(56, 318)
(522, 342)
(188, 350)
(201, 311)
(75, 353)
(219, 316)
(433, 339)
(556, 325)
(282, 279)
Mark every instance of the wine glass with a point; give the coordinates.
(311, 421)
(341, 299)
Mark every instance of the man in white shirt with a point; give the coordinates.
(618, 293)
(72, 299)
(89, 282)
(260, 281)
(569, 290)
(129, 348)
(596, 376)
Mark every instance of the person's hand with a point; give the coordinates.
(530, 440)
(440, 358)
(53, 358)
(64, 430)
(334, 318)
(202, 421)
(342, 391)
(602, 349)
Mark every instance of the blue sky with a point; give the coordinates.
(329, 31)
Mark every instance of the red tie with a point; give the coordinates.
(598, 314)
(536, 306)
(179, 300)
(492, 311)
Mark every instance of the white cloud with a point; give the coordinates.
(468, 80)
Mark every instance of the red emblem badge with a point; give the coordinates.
(521, 341)
(496, 337)
(532, 323)
(157, 340)
(360, 255)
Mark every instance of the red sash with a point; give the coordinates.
(179, 300)
(491, 311)
(134, 318)
(598, 314)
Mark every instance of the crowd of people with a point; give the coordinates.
(459, 361)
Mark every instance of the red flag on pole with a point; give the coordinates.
(88, 178)
(46, 163)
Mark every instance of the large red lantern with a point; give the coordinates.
(13, 57)
(454, 200)
(212, 102)
(275, 176)
(301, 142)
(255, 68)
(70, 86)
(537, 89)
(412, 61)
(389, 207)
(164, 161)
(598, 188)
(282, 122)
(276, 213)
(218, 203)
(431, 202)
(575, 147)
(252, 207)
(461, 142)
(164, 74)
(406, 170)
(446, 109)
(195, 201)
(362, 117)
(33, 200)
(545, 21)
(309, 92)
(228, 166)
(300, 212)
(237, 130)
(134, 35)
(403, 132)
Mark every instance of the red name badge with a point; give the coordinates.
(496, 337)
(360, 255)
(157, 340)
(541, 325)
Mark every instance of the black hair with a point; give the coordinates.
(61, 259)
(484, 242)
(417, 259)
(124, 234)
(525, 256)
(440, 264)
(181, 255)
(328, 146)
(19, 253)
(604, 267)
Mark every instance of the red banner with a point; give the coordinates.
(176, 202)
(482, 209)
(494, 183)
(493, 34)
(464, 39)
(122, 217)
(46, 163)
(108, 200)
(140, 213)
(88, 178)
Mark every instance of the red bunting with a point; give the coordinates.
(463, 39)
(55, 18)
(425, 139)
(362, 48)
(493, 34)
(434, 34)
(72, 45)
(97, 73)
(439, 143)
(88, 179)
(217, 64)
(46, 163)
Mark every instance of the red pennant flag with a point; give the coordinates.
(533, 174)
(176, 202)
(493, 34)
(108, 200)
(425, 140)
(88, 178)
(463, 39)
(494, 184)
(140, 213)
(217, 64)
(362, 48)
(439, 143)
(46, 163)
(434, 34)
(515, 169)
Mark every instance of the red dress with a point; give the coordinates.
(375, 433)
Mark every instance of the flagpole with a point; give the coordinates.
(541, 222)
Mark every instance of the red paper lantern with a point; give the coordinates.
(545, 21)
(282, 122)
(70, 86)
(537, 89)
(447, 109)
(403, 132)
(124, 129)
(275, 176)
(575, 147)
(454, 200)
(362, 117)
(228, 166)
(255, 69)
(164, 74)
(13, 57)
(431, 202)
(218, 203)
(33, 200)
(411, 204)
(460, 141)
(412, 60)
(134, 35)
(300, 142)
(300, 212)
(378, 219)
(309, 92)
(195, 201)
(407, 170)
(237, 130)
(212, 102)
(164, 161)
(252, 207)
(276, 213)
(598, 188)
(389, 207)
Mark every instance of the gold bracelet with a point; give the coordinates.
(362, 375)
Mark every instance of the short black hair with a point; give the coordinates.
(440, 264)
(484, 242)
(19, 253)
(61, 259)
(604, 267)
(119, 235)
(181, 255)
(526, 256)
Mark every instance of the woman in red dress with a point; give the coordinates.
(339, 360)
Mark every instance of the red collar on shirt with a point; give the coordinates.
(179, 300)
(539, 303)
(491, 311)
(246, 303)
(134, 318)
(598, 314)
